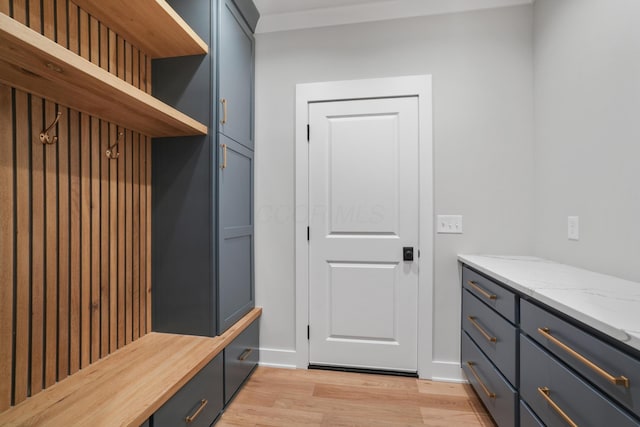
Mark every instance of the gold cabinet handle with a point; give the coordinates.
(245, 354)
(484, 333)
(545, 392)
(484, 293)
(489, 394)
(191, 418)
(224, 156)
(621, 380)
(223, 101)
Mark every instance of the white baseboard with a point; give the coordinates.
(277, 358)
(449, 372)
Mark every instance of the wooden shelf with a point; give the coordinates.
(151, 25)
(35, 64)
(128, 386)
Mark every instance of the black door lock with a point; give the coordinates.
(407, 253)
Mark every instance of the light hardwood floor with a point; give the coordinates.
(283, 397)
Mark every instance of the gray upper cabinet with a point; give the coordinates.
(202, 232)
(235, 75)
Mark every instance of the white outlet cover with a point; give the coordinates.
(449, 224)
(573, 228)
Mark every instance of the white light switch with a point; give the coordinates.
(574, 228)
(449, 224)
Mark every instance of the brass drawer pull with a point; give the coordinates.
(484, 293)
(545, 392)
(223, 101)
(191, 418)
(489, 394)
(621, 380)
(245, 354)
(481, 329)
(224, 156)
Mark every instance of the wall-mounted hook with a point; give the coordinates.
(112, 152)
(45, 138)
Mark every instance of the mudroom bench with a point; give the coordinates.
(174, 379)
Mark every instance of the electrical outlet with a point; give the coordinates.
(573, 231)
(449, 224)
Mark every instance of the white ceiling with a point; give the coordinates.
(281, 15)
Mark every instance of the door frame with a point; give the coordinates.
(390, 87)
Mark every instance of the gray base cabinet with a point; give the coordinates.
(532, 366)
(198, 403)
(240, 359)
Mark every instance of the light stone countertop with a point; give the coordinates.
(607, 304)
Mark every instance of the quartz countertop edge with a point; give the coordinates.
(608, 304)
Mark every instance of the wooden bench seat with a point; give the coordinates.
(126, 387)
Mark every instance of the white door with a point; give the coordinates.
(364, 202)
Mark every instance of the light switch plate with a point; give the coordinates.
(573, 231)
(449, 224)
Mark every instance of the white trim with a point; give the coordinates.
(375, 11)
(358, 89)
(449, 372)
(277, 358)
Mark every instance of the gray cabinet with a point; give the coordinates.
(198, 403)
(240, 359)
(202, 235)
(235, 75)
(555, 368)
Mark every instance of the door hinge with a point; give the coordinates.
(308, 332)
(418, 253)
(308, 233)
(308, 132)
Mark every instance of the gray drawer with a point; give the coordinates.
(578, 400)
(528, 418)
(206, 386)
(240, 357)
(492, 333)
(487, 380)
(500, 299)
(609, 358)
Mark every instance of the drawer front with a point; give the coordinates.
(580, 402)
(240, 357)
(206, 386)
(500, 299)
(486, 380)
(528, 418)
(613, 361)
(492, 333)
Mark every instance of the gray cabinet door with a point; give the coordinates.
(235, 75)
(235, 233)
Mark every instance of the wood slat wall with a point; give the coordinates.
(75, 226)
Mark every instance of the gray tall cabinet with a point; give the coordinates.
(203, 279)
(202, 242)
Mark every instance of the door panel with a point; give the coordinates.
(364, 210)
(236, 55)
(235, 209)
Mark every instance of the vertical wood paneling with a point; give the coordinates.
(37, 245)
(63, 213)
(136, 234)
(104, 211)
(128, 161)
(75, 300)
(121, 213)
(6, 244)
(23, 254)
(37, 225)
(75, 275)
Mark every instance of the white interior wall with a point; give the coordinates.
(481, 63)
(587, 144)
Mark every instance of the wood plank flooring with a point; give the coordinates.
(283, 397)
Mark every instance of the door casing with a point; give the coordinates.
(307, 93)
